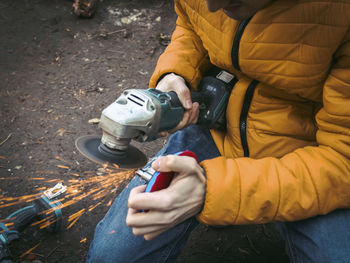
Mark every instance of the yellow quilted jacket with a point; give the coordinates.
(286, 151)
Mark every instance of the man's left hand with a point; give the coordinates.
(168, 207)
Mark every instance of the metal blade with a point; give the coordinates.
(91, 147)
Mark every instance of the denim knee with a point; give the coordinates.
(319, 239)
(193, 138)
(115, 242)
(110, 247)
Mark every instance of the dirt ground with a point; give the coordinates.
(58, 72)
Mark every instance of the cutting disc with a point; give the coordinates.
(91, 147)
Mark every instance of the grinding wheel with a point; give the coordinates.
(91, 147)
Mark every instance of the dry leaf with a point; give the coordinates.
(61, 131)
(94, 121)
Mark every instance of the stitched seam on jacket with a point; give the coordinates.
(333, 115)
(203, 18)
(284, 102)
(200, 29)
(255, 73)
(279, 197)
(283, 60)
(274, 23)
(338, 79)
(321, 2)
(312, 180)
(266, 132)
(214, 44)
(301, 24)
(240, 195)
(280, 43)
(332, 132)
(196, 68)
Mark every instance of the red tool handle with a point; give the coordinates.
(161, 180)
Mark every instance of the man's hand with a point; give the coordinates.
(173, 82)
(166, 208)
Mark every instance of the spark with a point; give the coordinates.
(63, 160)
(9, 224)
(77, 214)
(30, 250)
(48, 222)
(12, 178)
(98, 187)
(94, 206)
(62, 166)
(75, 217)
(83, 240)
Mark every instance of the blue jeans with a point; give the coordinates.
(319, 239)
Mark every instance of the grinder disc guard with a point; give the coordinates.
(91, 147)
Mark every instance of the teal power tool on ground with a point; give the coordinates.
(45, 209)
(140, 114)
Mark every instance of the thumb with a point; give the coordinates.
(184, 95)
(174, 163)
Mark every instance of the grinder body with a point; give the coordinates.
(138, 114)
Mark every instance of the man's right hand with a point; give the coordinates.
(173, 82)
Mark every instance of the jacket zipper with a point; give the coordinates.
(250, 90)
(237, 39)
(244, 114)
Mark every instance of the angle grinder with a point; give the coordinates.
(140, 114)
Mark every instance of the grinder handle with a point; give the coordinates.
(212, 95)
(201, 97)
(161, 180)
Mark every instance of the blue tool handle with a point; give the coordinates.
(22, 217)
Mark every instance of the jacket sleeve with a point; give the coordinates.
(185, 54)
(310, 181)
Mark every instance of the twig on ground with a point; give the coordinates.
(160, 5)
(51, 252)
(37, 254)
(243, 251)
(108, 33)
(252, 245)
(117, 31)
(265, 231)
(7, 138)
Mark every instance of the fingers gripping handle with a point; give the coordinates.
(161, 180)
(213, 96)
(201, 97)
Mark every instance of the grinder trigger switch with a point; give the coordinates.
(160, 180)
